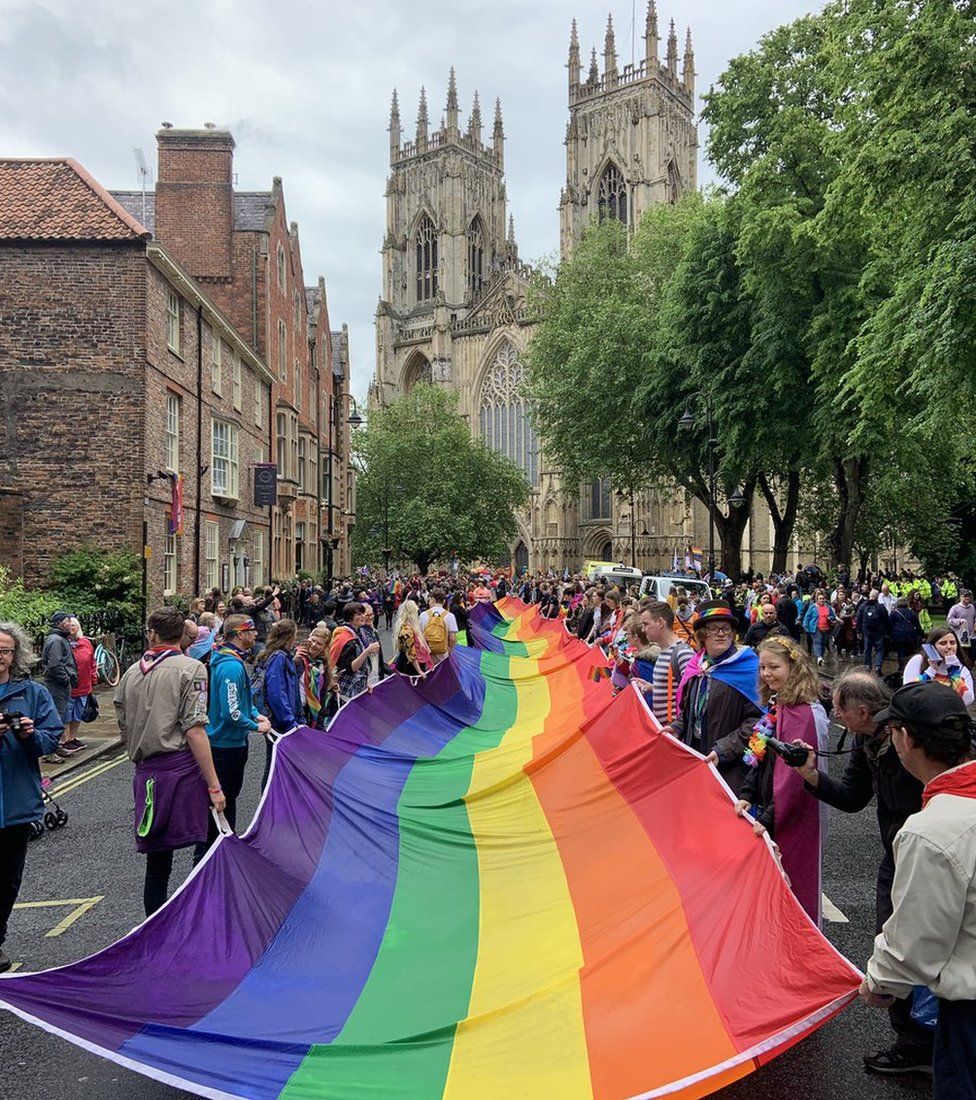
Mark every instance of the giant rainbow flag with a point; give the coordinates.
(496, 883)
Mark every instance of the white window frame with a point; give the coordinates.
(171, 567)
(216, 363)
(257, 557)
(211, 553)
(281, 443)
(224, 457)
(302, 447)
(259, 396)
(173, 320)
(173, 431)
(282, 350)
(237, 383)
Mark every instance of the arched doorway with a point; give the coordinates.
(521, 556)
(606, 550)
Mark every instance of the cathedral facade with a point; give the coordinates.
(453, 307)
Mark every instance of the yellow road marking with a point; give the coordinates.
(73, 783)
(81, 907)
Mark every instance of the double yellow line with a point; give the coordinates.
(73, 782)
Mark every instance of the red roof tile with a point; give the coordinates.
(57, 200)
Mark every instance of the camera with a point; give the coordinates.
(793, 755)
(13, 719)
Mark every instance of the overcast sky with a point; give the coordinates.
(305, 88)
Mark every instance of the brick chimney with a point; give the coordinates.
(194, 198)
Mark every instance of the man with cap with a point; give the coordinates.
(58, 668)
(930, 938)
(718, 696)
(874, 770)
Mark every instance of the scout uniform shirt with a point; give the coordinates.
(158, 700)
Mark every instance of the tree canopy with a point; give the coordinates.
(426, 490)
(821, 304)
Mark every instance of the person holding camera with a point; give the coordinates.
(873, 769)
(771, 793)
(930, 937)
(30, 727)
(161, 704)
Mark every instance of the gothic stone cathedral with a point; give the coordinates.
(453, 309)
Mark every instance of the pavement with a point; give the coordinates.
(83, 890)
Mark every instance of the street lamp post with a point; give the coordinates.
(736, 500)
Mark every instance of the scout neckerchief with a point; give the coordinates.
(154, 657)
(701, 699)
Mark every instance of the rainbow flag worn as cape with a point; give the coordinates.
(498, 882)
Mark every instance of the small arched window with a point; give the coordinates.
(674, 183)
(426, 259)
(612, 197)
(476, 256)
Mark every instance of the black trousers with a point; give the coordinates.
(954, 1055)
(908, 1034)
(159, 867)
(13, 855)
(229, 765)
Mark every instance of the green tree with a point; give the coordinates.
(427, 490)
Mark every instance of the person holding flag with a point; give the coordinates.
(718, 696)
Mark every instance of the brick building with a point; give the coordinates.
(118, 369)
(246, 256)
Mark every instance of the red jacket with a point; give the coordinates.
(84, 654)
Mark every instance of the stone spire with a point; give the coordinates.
(574, 57)
(474, 120)
(688, 69)
(511, 235)
(652, 39)
(672, 50)
(593, 76)
(610, 53)
(394, 125)
(423, 122)
(498, 134)
(452, 102)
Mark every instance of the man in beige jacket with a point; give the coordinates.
(930, 938)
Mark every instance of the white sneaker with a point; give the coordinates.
(820, 662)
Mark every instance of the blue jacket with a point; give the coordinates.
(812, 616)
(282, 691)
(20, 774)
(231, 714)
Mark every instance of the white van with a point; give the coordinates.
(604, 572)
(662, 588)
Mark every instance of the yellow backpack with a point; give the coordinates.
(435, 632)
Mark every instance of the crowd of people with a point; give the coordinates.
(735, 676)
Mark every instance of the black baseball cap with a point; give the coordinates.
(925, 704)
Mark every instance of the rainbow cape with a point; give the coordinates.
(499, 882)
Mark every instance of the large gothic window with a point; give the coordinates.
(426, 259)
(600, 499)
(674, 183)
(612, 198)
(476, 256)
(503, 417)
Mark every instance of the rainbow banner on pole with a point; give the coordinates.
(496, 883)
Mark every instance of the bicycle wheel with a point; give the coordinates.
(107, 665)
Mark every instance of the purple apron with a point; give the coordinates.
(172, 803)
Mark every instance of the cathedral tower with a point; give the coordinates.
(446, 234)
(631, 139)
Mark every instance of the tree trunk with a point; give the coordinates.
(730, 527)
(423, 561)
(785, 521)
(850, 476)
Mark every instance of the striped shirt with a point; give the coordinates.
(668, 670)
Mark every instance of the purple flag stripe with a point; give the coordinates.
(301, 991)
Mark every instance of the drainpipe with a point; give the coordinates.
(199, 521)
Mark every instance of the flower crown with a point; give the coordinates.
(792, 649)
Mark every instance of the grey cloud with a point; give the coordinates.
(305, 88)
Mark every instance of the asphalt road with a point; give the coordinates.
(89, 879)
